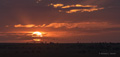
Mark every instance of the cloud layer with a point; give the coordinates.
(76, 8)
(83, 25)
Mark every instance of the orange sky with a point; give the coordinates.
(63, 21)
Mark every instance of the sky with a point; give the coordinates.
(60, 21)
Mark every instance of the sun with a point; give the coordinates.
(37, 34)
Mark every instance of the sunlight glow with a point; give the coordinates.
(37, 34)
(36, 39)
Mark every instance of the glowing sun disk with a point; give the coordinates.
(37, 34)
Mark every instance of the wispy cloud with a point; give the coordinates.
(26, 26)
(76, 8)
(81, 25)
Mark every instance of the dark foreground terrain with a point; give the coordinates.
(60, 50)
